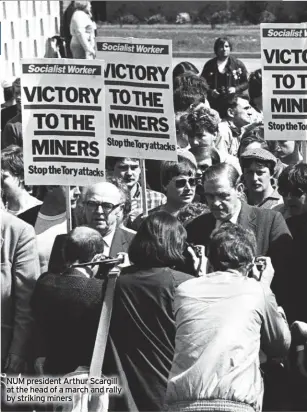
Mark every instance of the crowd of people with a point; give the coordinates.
(209, 311)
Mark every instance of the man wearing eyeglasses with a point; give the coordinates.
(103, 204)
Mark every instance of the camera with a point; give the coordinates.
(260, 264)
(105, 265)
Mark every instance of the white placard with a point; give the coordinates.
(284, 82)
(63, 121)
(139, 98)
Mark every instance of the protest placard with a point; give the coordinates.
(63, 121)
(284, 83)
(139, 97)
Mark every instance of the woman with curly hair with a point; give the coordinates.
(224, 74)
(201, 125)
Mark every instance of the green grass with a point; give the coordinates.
(198, 38)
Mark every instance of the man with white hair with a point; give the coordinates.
(103, 204)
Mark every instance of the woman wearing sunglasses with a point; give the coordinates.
(178, 180)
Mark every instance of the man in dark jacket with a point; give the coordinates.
(222, 190)
(67, 307)
(12, 132)
(224, 73)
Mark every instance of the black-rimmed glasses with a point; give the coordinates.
(106, 207)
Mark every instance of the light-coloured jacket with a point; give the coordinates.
(82, 30)
(19, 272)
(221, 318)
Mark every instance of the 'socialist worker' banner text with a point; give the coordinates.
(139, 98)
(284, 83)
(63, 121)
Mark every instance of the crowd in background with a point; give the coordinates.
(214, 276)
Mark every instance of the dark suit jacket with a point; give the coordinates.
(298, 291)
(67, 308)
(121, 242)
(272, 236)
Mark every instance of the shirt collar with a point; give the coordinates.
(108, 239)
(273, 196)
(233, 219)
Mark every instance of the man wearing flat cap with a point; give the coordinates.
(258, 166)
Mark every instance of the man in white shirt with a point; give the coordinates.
(235, 113)
(103, 204)
(51, 220)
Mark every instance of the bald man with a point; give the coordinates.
(103, 205)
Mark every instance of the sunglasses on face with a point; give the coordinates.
(106, 207)
(295, 192)
(180, 183)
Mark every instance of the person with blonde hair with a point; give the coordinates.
(82, 30)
